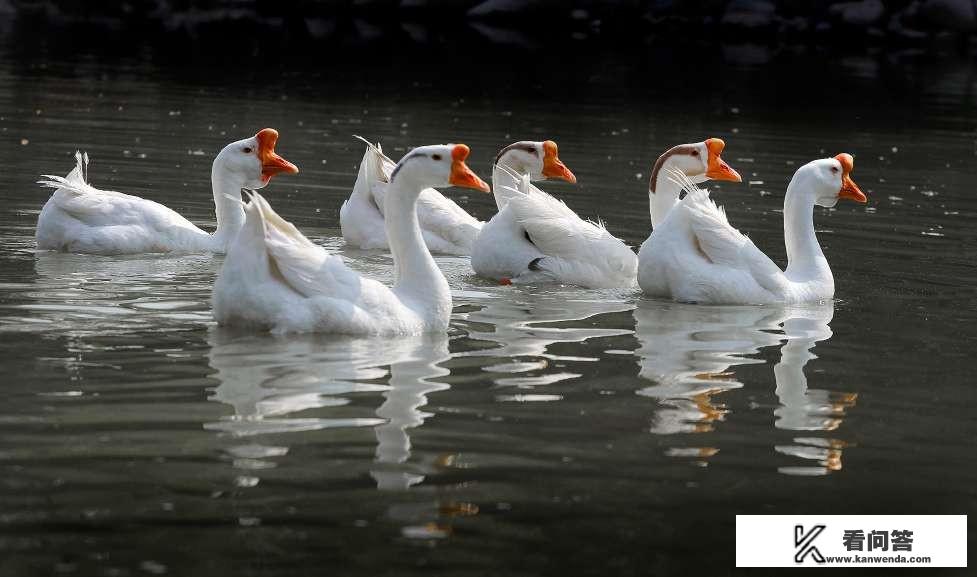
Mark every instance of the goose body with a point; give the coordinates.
(535, 238)
(446, 227)
(81, 218)
(274, 278)
(695, 255)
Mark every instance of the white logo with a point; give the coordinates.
(851, 540)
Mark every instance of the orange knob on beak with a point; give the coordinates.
(271, 162)
(461, 175)
(718, 169)
(848, 187)
(553, 167)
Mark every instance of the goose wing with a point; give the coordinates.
(92, 207)
(575, 247)
(305, 267)
(720, 242)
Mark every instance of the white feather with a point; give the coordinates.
(538, 238)
(81, 218)
(695, 255)
(447, 228)
(274, 278)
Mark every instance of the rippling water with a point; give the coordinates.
(552, 430)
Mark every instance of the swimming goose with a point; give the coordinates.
(700, 161)
(694, 255)
(446, 227)
(81, 218)
(540, 160)
(274, 278)
(535, 238)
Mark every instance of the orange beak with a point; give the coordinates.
(553, 167)
(461, 175)
(271, 163)
(718, 169)
(848, 187)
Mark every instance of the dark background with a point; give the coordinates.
(323, 30)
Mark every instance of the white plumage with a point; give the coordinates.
(536, 238)
(81, 218)
(447, 228)
(274, 278)
(695, 255)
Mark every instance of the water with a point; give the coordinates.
(552, 430)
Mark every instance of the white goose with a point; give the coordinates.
(696, 256)
(536, 238)
(700, 161)
(446, 227)
(275, 278)
(81, 218)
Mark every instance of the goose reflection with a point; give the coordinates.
(805, 409)
(268, 380)
(96, 295)
(525, 323)
(690, 352)
(411, 381)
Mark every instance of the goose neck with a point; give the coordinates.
(805, 260)
(227, 205)
(414, 268)
(663, 195)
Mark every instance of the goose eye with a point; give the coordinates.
(246, 150)
(834, 169)
(436, 157)
(695, 153)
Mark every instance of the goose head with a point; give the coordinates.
(438, 166)
(831, 180)
(540, 160)
(700, 161)
(252, 162)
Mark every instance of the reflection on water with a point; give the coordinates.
(687, 351)
(91, 295)
(412, 371)
(270, 380)
(522, 324)
(802, 408)
(691, 353)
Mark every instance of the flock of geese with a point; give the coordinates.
(274, 278)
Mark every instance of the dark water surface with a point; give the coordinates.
(553, 431)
